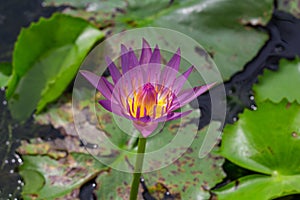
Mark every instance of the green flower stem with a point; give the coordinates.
(138, 168)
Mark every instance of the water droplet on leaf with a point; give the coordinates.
(253, 107)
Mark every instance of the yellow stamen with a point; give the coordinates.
(149, 101)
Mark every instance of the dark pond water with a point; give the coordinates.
(15, 14)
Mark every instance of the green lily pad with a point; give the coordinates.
(5, 72)
(261, 186)
(265, 141)
(189, 177)
(46, 178)
(114, 185)
(219, 26)
(41, 72)
(281, 84)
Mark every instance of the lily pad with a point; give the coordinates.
(187, 178)
(281, 84)
(261, 186)
(190, 177)
(41, 72)
(265, 141)
(46, 178)
(219, 26)
(290, 6)
(90, 5)
(5, 72)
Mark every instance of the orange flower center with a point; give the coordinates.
(149, 101)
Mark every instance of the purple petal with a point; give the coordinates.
(124, 59)
(168, 77)
(155, 58)
(108, 84)
(180, 81)
(175, 61)
(102, 85)
(114, 72)
(188, 95)
(133, 61)
(145, 119)
(146, 53)
(112, 107)
(146, 129)
(171, 70)
(173, 116)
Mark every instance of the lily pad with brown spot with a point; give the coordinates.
(57, 178)
(187, 178)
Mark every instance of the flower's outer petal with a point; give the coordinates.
(111, 107)
(146, 53)
(102, 85)
(180, 81)
(147, 129)
(133, 61)
(171, 70)
(173, 116)
(108, 84)
(114, 72)
(188, 95)
(175, 60)
(153, 68)
(168, 77)
(155, 57)
(124, 59)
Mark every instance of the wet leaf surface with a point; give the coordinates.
(282, 84)
(264, 187)
(264, 141)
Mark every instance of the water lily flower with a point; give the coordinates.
(145, 92)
